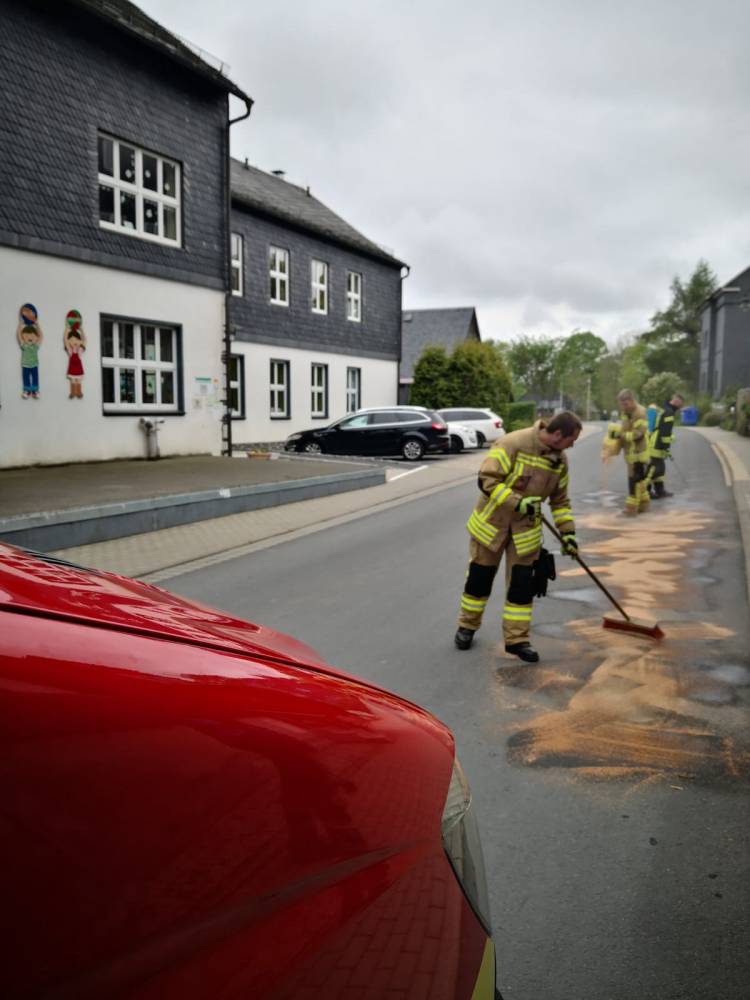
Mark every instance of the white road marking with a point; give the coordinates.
(402, 474)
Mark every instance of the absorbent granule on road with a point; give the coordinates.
(625, 707)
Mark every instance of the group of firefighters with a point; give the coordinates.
(523, 469)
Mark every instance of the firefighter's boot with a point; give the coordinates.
(464, 638)
(523, 650)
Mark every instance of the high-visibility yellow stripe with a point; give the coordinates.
(501, 455)
(539, 462)
(562, 513)
(483, 533)
(521, 535)
(473, 603)
(517, 613)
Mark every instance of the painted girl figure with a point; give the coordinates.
(74, 340)
(29, 336)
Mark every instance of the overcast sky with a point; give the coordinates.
(554, 164)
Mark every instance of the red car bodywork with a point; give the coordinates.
(193, 806)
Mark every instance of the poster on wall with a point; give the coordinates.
(29, 335)
(74, 342)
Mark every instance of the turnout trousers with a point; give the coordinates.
(657, 473)
(519, 584)
(638, 500)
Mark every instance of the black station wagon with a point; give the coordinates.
(398, 430)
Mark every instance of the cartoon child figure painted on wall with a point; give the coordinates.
(74, 340)
(29, 336)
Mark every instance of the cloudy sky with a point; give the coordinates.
(553, 163)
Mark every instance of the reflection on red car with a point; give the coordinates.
(199, 807)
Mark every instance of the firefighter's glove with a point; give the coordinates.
(529, 506)
(613, 432)
(569, 544)
(544, 570)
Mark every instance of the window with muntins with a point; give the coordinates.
(319, 390)
(278, 273)
(279, 388)
(237, 261)
(319, 277)
(139, 192)
(139, 367)
(354, 296)
(236, 385)
(353, 392)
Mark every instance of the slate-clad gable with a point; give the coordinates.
(434, 328)
(255, 319)
(67, 75)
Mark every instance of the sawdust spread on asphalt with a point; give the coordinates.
(625, 706)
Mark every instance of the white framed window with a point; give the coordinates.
(237, 264)
(353, 389)
(278, 273)
(139, 192)
(279, 386)
(319, 283)
(236, 386)
(319, 390)
(354, 296)
(139, 367)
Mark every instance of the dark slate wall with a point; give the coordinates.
(65, 75)
(736, 348)
(377, 336)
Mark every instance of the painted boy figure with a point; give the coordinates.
(29, 340)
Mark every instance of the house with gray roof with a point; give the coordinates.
(422, 328)
(725, 338)
(114, 234)
(315, 311)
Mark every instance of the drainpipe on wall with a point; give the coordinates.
(227, 418)
(402, 278)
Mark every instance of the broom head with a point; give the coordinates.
(634, 627)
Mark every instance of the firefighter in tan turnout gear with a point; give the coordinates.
(522, 469)
(630, 437)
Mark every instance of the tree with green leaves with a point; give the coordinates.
(533, 365)
(478, 376)
(660, 388)
(673, 340)
(431, 385)
(577, 362)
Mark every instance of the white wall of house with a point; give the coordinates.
(379, 387)
(55, 428)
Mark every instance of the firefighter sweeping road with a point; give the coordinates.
(612, 778)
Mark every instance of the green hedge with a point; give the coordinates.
(517, 415)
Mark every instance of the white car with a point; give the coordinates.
(486, 423)
(462, 436)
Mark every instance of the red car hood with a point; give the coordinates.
(37, 584)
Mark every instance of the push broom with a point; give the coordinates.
(628, 624)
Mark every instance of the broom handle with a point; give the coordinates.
(590, 572)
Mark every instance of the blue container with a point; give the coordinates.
(689, 415)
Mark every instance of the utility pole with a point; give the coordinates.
(588, 397)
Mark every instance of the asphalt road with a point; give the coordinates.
(613, 779)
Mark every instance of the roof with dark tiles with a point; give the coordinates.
(276, 198)
(126, 16)
(422, 328)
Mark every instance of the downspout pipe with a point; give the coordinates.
(227, 353)
(402, 278)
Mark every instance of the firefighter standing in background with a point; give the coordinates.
(661, 440)
(522, 469)
(630, 437)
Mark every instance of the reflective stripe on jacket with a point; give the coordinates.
(634, 435)
(517, 466)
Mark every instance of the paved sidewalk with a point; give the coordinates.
(733, 452)
(45, 507)
(160, 554)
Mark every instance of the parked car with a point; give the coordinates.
(409, 431)
(487, 424)
(461, 436)
(197, 807)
